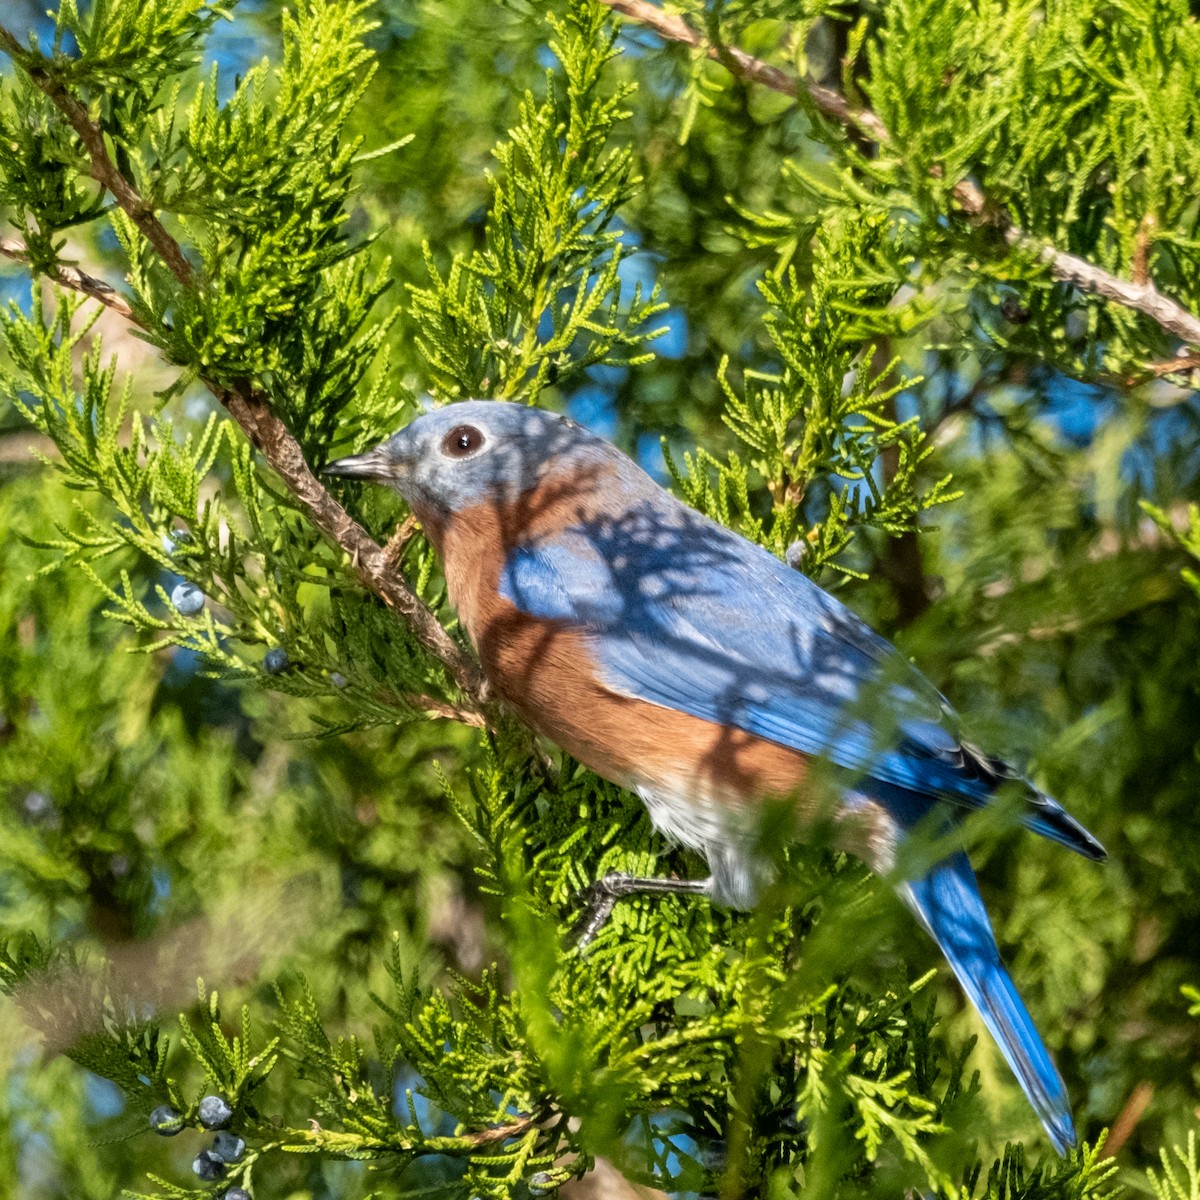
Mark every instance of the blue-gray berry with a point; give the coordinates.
(228, 1147)
(166, 1121)
(36, 805)
(187, 598)
(235, 1193)
(214, 1113)
(208, 1166)
(276, 661)
(174, 538)
(542, 1182)
(338, 679)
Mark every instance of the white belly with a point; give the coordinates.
(720, 830)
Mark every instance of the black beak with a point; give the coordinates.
(374, 464)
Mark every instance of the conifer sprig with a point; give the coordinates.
(825, 421)
(144, 234)
(703, 1050)
(543, 299)
(919, 117)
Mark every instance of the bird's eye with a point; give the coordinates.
(461, 441)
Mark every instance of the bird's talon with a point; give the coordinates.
(598, 901)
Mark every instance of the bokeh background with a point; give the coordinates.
(143, 802)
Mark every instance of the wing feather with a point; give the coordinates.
(684, 614)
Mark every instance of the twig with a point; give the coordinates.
(499, 1133)
(675, 29)
(1140, 269)
(447, 712)
(1180, 364)
(1172, 366)
(102, 168)
(73, 278)
(246, 404)
(368, 559)
(396, 543)
(1142, 297)
(1128, 1118)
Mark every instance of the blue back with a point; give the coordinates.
(683, 613)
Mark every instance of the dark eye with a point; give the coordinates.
(461, 441)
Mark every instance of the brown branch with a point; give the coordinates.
(500, 1133)
(247, 405)
(1128, 1118)
(1172, 366)
(1141, 248)
(368, 559)
(101, 167)
(446, 712)
(1142, 297)
(73, 278)
(675, 29)
(400, 539)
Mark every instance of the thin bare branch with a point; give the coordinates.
(247, 405)
(828, 101)
(1174, 366)
(102, 168)
(1128, 1118)
(446, 712)
(396, 544)
(500, 1133)
(1142, 297)
(368, 559)
(73, 278)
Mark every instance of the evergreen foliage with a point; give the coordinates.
(381, 918)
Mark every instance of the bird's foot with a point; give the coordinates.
(600, 898)
(597, 902)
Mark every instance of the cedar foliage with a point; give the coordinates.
(382, 916)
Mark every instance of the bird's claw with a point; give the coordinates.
(598, 901)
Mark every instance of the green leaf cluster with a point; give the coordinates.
(160, 808)
(542, 300)
(806, 427)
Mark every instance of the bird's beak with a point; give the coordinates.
(374, 464)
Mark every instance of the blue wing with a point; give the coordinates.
(685, 614)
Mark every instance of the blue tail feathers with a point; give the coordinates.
(947, 902)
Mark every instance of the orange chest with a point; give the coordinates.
(547, 671)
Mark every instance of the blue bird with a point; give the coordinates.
(681, 661)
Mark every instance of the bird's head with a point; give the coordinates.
(475, 452)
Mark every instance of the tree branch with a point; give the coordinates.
(102, 169)
(499, 1133)
(245, 403)
(73, 278)
(1142, 297)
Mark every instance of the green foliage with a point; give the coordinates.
(804, 427)
(1188, 539)
(388, 913)
(1180, 1179)
(542, 300)
(1076, 118)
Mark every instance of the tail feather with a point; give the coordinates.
(1043, 814)
(1051, 820)
(948, 904)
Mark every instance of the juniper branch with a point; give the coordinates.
(73, 278)
(101, 167)
(246, 404)
(1142, 297)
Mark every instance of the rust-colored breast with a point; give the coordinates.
(545, 670)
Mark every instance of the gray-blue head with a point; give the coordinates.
(476, 452)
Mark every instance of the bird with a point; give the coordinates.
(679, 660)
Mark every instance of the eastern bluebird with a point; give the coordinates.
(683, 662)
